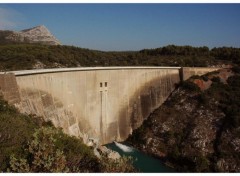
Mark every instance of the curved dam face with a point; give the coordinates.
(101, 103)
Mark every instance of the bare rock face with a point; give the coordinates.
(39, 34)
(104, 151)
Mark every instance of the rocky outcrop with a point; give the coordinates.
(38, 34)
(104, 151)
(205, 83)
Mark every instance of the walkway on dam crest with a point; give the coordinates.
(55, 70)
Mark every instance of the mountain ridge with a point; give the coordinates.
(38, 34)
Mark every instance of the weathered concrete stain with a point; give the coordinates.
(146, 98)
(9, 88)
(102, 103)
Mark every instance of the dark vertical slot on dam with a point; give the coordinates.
(105, 113)
(103, 99)
(101, 114)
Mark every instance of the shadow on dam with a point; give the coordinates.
(141, 104)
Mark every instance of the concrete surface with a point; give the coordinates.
(104, 103)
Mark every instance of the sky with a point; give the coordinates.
(123, 27)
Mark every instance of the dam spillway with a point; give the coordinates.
(103, 103)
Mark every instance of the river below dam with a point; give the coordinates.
(141, 161)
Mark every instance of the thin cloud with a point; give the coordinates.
(10, 19)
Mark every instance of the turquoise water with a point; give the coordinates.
(142, 162)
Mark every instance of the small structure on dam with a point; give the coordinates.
(102, 103)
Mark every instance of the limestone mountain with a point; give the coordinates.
(38, 34)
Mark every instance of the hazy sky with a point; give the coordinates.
(129, 26)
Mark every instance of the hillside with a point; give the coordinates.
(35, 56)
(28, 144)
(197, 129)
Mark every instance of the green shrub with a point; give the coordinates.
(188, 85)
(174, 153)
(42, 155)
(123, 165)
(203, 98)
(216, 79)
(204, 77)
(236, 69)
(202, 164)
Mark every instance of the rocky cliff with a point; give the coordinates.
(197, 129)
(39, 34)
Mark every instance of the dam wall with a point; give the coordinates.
(103, 103)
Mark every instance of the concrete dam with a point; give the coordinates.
(101, 103)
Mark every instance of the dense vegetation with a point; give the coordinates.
(28, 144)
(196, 130)
(29, 56)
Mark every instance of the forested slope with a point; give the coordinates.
(30, 56)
